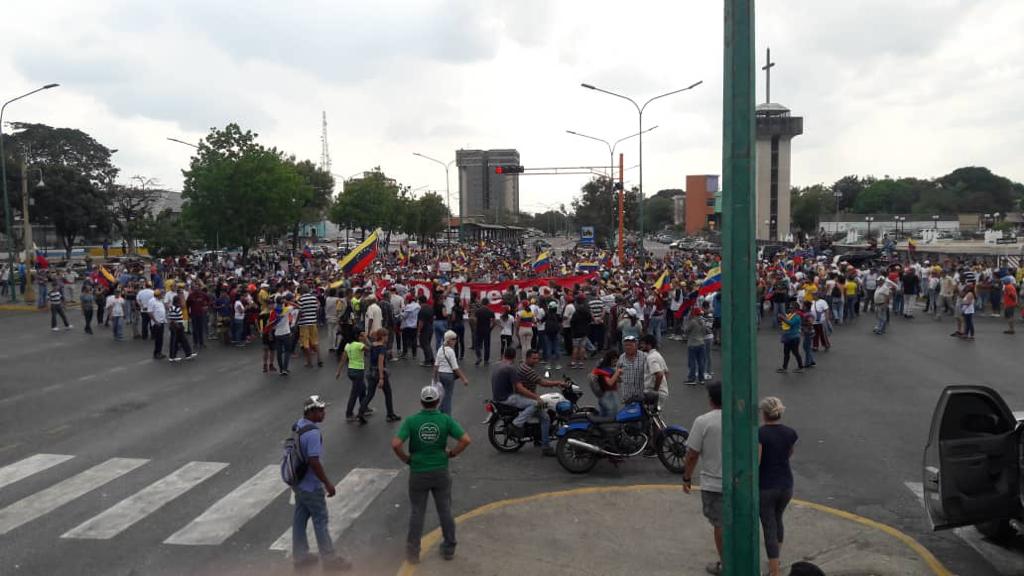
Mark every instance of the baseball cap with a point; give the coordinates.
(429, 394)
(629, 338)
(314, 401)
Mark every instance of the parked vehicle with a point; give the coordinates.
(560, 406)
(638, 426)
(974, 463)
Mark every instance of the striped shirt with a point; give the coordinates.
(56, 297)
(597, 310)
(174, 314)
(631, 386)
(308, 306)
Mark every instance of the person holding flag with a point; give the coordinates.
(360, 257)
(542, 263)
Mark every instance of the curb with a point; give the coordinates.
(20, 308)
(433, 538)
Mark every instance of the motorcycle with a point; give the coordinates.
(638, 426)
(559, 405)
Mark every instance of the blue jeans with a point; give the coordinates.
(707, 356)
(808, 341)
(448, 382)
(778, 309)
(358, 392)
(440, 326)
(528, 409)
(657, 327)
(284, 355)
(608, 404)
(236, 331)
(118, 322)
(549, 341)
(310, 505)
(839, 308)
(695, 361)
(882, 314)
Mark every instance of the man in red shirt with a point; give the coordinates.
(198, 303)
(1009, 302)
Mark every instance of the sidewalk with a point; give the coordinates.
(649, 530)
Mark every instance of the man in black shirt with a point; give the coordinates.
(482, 336)
(424, 328)
(527, 398)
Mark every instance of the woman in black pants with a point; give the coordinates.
(790, 324)
(775, 447)
(378, 375)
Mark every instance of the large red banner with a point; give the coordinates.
(491, 292)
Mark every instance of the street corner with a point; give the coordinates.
(653, 529)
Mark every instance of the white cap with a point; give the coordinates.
(430, 394)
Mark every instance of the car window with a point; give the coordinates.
(972, 415)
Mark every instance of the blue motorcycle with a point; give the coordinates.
(637, 428)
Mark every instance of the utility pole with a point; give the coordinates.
(622, 192)
(741, 554)
(26, 231)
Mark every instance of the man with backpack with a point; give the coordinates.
(303, 471)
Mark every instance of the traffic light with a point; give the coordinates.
(509, 169)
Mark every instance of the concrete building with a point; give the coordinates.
(700, 202)
(775, 129)
(483, 194)
(678, 210)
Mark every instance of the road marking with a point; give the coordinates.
(127, 512)
(24, 468)
(356, 491)
(229, 513)
(1004, 561)
(41, 503)
(432, 539)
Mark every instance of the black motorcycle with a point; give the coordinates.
(637, 428)
(560, 405)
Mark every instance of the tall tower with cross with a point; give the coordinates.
(776, 127)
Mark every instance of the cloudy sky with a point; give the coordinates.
(905, 88)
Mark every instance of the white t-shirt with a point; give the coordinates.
(374, 318)
(239, 310)
(706, 438)
(283, 326)
(506, 325)
(656, 363)
(446, 360)
(570, 309)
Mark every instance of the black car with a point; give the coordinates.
(974, 463)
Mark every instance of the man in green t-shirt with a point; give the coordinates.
(428, 433)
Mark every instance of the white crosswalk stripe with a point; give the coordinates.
(354, 494)
(24, 468)
(48, 500)
(127, 512)
(231, 512)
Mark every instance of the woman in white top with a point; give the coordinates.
(507, 324)
(446, 370)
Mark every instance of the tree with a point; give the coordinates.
(657, 213)
(977, 189)
(598, 207)
(426, 216)
(166, 234)
(131, 205)
(315, 207)
(551, 222)
(373, 201)
(808, 205)
(77, 172)
(237, 191)
(848, 188)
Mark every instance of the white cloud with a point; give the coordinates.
(885, 88)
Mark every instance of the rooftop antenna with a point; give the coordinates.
(325, 154)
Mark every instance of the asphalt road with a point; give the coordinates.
(193, 442)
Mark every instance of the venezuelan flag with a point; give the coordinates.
(358, 259)
(662, 284)
(588, 266)
(543, 262)
(712, 281)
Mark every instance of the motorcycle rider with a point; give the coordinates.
(504, 376)
(528, 400)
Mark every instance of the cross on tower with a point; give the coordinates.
(768, 77)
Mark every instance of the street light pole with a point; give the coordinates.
(447, 196)
(640, 132)
(611, 165)
(7, 204)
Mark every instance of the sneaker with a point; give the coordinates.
(158, 357)
(350, 418)
(55, 329)
(707, 377)
(411, 558)
(362, 420)
(477, 362)
(336, 564)
(319, 363)
(690, 382)
(285, 372)
(798, 370)
(192, 356)
(714, 568)
(1009, 332)
(174, 359)
(369, 412)
(448, 554)
(394, 418)
(781, 370)
(69, 327)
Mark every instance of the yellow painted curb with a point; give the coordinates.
(431, 539)
(20, 308)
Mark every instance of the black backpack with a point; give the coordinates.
(293, 462)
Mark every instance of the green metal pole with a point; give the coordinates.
(741, 555)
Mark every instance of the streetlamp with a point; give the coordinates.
(447, 197)
(26, 226)
(611, 164)
(640, 116)
(7, 204)
(183, 142)
(988, 220)
(869, 220)
(935, 220)
(772, 232)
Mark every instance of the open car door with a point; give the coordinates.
(971, 460)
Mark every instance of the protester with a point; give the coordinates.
(775, 446)
(378, 374)
(705, 445)
(427, 433)
(354, 358)
(446, 370)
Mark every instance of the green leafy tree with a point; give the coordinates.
(598, 207)
(977, 189)
(657, 213)
(373, 201)
(78, 174)
(166, 234)
(426, 216)
(551, 221)
(807, 206)
(237, 191)
(315, 208)
(848, 188)
(131, 204)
